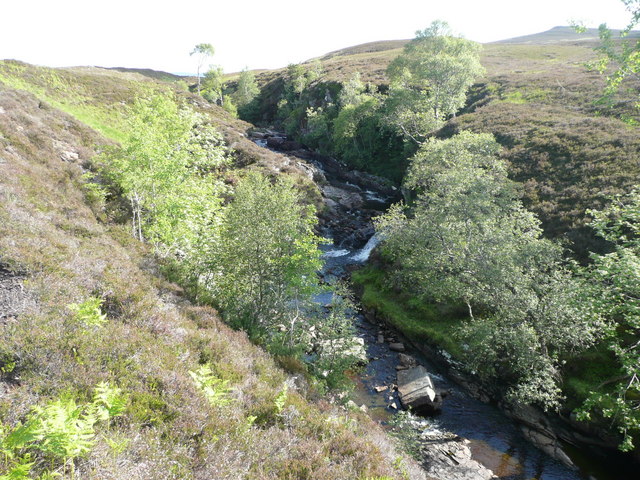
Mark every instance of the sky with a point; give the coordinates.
(260, 34)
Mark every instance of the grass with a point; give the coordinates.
(419, 321)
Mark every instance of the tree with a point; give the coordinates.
(615, 285)
(619, 58)
(264, 267)
(430, 79)
(467, 240)
(202, 51)
(246, 90)
(163, 170)
(212, 85)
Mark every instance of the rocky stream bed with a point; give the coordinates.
(461, 437)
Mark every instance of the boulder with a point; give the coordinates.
(417, 391)
(275, 142)
(346, 347)
(407, 360)
(397, 347)
(349, 200)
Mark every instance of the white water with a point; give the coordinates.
(336, 253)
(363, 254)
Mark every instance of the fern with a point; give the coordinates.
(64, 431)
(214, 388)
(108, 401)
(280, 399)
(19, 470)
(89, 313)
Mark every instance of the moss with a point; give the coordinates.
(415, 319)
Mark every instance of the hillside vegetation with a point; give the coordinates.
(569, 148)
(106, 369)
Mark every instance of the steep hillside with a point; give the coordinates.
(59, 255)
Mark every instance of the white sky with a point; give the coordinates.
(259, 34)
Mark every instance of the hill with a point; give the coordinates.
(569, 147)
(62, 248)
(562, 35)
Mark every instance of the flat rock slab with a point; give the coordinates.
(397, 347)
(416, 389)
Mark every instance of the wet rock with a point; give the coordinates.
(275, 142)
(381, 388)
(397, 347)
(417, 391)
(349, 200)
(407, 360)
(380, 338)
(547, 444)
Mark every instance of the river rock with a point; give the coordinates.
(417, 391)
(349, 200)
(347, 347)
(547, 444)
(397, 347)
(407, 360)
(275, 142)
(449, 458)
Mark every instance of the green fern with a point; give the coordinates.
(281, 398)
(89, 313)
(19, 470)
(108, 401)
(214, 388)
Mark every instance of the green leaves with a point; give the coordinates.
(89, 313)
(62, 430)
(430, 79)
(615, 290)
(215, 389)
(468, 241)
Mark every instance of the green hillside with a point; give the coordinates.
(144, 383)
(569, 147)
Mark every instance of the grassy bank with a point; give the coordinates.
(417, 320)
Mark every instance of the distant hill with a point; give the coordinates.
(370, 47)
(147, 72)
(562, 34)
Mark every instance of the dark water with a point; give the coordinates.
(496, 441)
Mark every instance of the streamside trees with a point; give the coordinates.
(467, 240)
(430, 80)
(615, 281)
(264, 267)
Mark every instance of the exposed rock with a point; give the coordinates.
(547, 444)
(349, 200)
(447, 457)
(381, 388)
(13, 297)
(397, 347)
(380, 338)
(417, 391)
(348, 347)
(275, 142)
(407, 360)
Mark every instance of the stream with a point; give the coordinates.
(495, 440)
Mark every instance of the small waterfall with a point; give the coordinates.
(363, 254)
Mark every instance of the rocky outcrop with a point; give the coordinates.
(417, 391)
(344, 347)
(448, 457)
(13, 297)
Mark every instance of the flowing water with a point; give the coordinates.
(495, 440)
